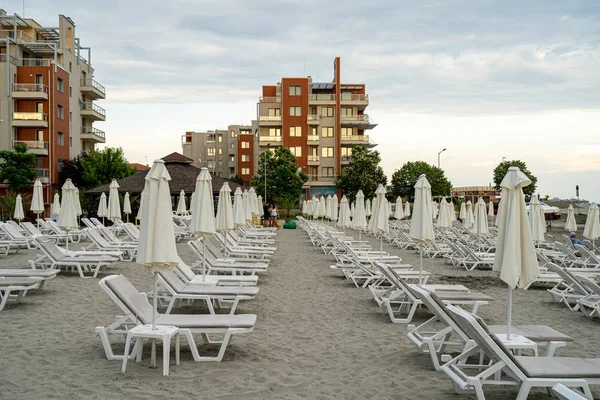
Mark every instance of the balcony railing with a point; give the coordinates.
(94, 107)
(355, 138)
(266, 99)
(354, 97)
(33, 144)
(94, 84)
(313, 138)
(270, 138)
(312, 158)
(322, 97)
(355, 118)
(30, 116)
(34, 62)
(270, 118)
(42, 172)
(30, 87)
(93, 131)
(313, 117)
(346, 159)
(322, 178)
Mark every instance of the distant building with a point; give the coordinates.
(473, 193)
(139, 167)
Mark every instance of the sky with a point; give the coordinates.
(483, 79)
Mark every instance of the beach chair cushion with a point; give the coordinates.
(560, 367)
(211, 321)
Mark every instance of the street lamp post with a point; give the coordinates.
(268, 144)
(439, 157)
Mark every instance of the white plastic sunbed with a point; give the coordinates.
(14, 288)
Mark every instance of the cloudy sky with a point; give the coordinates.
(484, 79)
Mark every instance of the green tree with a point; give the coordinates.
(16, 167)
(362, 173)
(100, 167)
(72, 169)
(284, 178)
(405, 178)
(236, 179)
(502, 169)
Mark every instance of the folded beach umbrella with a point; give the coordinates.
(421, 224)
(444, 220)
(328, 207)
(316, 205)
(67, 219)
(142, 204)
(592, 224)
(254, 208)
(247, 206)
(480, 224)
(399, 213)
(156, 247)
(127, 206)
(37, 199)
(515, 257)
(322, 207)
(571, 224)
(368, 208)
(451, 211)
(374, 211)
(491, 209)
(181, 207)
(463, 211)
(359, 218)
(470, 218)
(304, 206)
(19, 214)
(203, 216)
(259, 205)
(239, 217)
(381, 217)
(55, 208)
(224, 221)
(78, 210)
(344, 217)
(537, 222)
(434, 209)
(353, 210)
(192, 202)
(102, 207)
(334, 208)
(114, 205)
(406, 209)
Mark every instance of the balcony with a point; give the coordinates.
(322, 178)
(313, 119)
(30, 120)
(93, 112)
(269, 120)
(91, 134)
(43, 175)
(313, 160)
(351, 99)
(313, 139)
(34, 146)
(232, 164)
(32, 91)
(92, 89)
(321, 98)
(346, 160)
(264, 140)
(34, 62)
(361, 121)
(265, 99)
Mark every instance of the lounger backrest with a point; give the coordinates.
(477, 330)
(32, 229)
(587, 254)
(589, 284)
(12, 232)
(132, 232)
(172, 280)
(55, 226)
(185, 269)
(88, 223)
(437, 308)
(568, 278)
(97, 238)
(107, 234)
(133, 302)
(51, 250)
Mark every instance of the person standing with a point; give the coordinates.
(266, 215)
(274, 215)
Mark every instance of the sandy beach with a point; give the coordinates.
(316, 337)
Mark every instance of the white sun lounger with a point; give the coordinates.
(14, 288)
(188, 276)
(44, 275)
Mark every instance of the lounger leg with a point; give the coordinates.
(166, 356)
(125, 354)
(524, 391)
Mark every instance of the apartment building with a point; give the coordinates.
(225, 152)
(47, 94)
(320, 122)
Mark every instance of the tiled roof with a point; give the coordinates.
(139, 167)
(177, 158)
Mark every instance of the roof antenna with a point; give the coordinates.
(23, 8)
(146, 161)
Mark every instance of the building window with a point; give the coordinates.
(274, 112)
(327, 172)
(295, 111)
(295, 90)
(70, 91)
(39, 136)
(245, 171)
(313, 131)
(70, 67)
(61, 139)
(347, 111)
(274, 131)
(60, 164)
(39, 107)
(220, 163)
(296, 131)
(61, 85)
(61, 112)
(232, 134)
(327, 131)
(220, 151)
(297, 151)
(326, 152)
(346, 151)
(327, 111)
(245, 145)
(211, 151)
(220, 138)
(346, 132)
(210, 164)
(245, 158)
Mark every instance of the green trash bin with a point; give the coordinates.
(291, 224)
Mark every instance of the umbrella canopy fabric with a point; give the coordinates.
(444, 220)
(374, 210)
(304, 206)
(368, 210)
(193, 202)
(322, 207)
(78, 210)
(181, 207)
(571, 224)
(470, 217)
(353, 210)
(55, 209)
(515, 257)
(421, 225)
(239, 217)
(142, 204)
(102, 208)
(451, 211)
(247, 205)
(381, 214)
(67, 219)
(334, 208)
(203, 216)
(359, 217)
(537, 222)
(259, 205)
(224, 221)
(114, 205)
(406, 209)
(256, 206)
(37, 200)
(126, 204)
(592, 223)
(328, 207)
(399, 213)
(463, 211)
(156, 246)
(315, 207)
(19, 213)
(434, 209)
(390, 211)
(480, 225)
(344, 217)
(490, 209)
